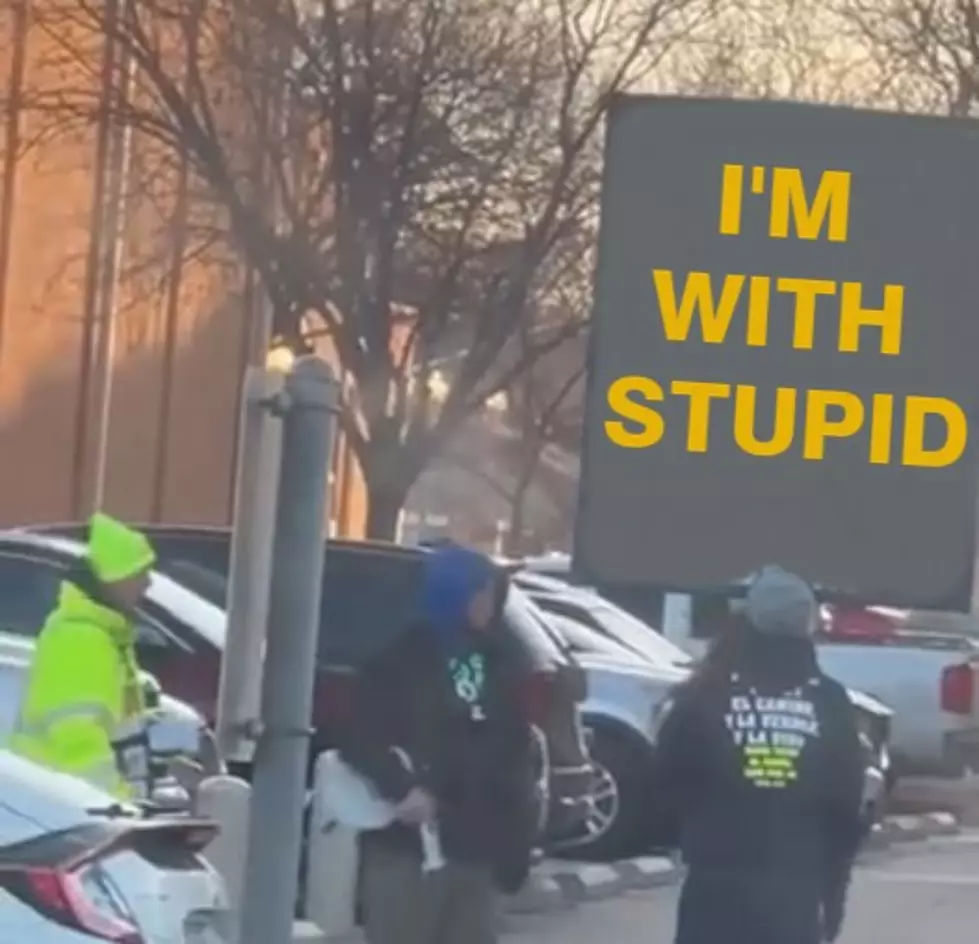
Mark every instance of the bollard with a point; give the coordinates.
(332, 869)
(257, 478)
(226, 800)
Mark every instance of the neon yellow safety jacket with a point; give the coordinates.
(82, 712)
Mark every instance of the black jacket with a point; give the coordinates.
(758, 773)
(478, 768)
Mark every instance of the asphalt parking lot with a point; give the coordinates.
(907, 894)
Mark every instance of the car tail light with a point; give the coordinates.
(81, 899)
(958, 689)
(61, 876)
(860, 624)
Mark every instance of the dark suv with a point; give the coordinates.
(369, 590)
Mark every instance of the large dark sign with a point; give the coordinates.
(785, 350)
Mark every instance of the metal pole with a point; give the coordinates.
(281, 755)
(259, 455)
(256, 298)
(161, 465)
(119, 173)
(93, 267)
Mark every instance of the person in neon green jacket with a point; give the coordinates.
(82, 711)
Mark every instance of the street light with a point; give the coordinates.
(280, 359)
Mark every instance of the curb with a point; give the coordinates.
(556, 884)
(911, 828)
(541, 894)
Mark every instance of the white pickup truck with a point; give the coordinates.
(930, 681)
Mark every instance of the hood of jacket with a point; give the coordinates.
(453, 576)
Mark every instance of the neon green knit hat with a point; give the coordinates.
(116, 551)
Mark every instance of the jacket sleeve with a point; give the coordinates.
(366, 739)
(674, 770)
(83, 726)
(843, 791)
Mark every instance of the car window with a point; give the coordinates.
(532, 628)
(611, 623)
(210, 584)
(583, 639)
(28, 593)
(636, 634)
(369, 599)
(149, 635)
(210, 551)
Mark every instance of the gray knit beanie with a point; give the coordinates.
(781, 604)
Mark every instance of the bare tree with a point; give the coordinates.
(785, 49)
(926, 51)
(545, 406)
(407, 174)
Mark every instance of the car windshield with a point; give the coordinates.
(603, 618)
(635, 634)
(532, 627)
(207, 583)
(580, 638)
(523, 615)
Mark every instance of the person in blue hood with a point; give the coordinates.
(448, 696)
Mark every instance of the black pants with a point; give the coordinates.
(403, 905)
(729, 907)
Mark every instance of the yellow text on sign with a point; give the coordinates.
(791, 210)
(714, 301)
(807, 419)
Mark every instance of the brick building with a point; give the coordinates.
(184, 331)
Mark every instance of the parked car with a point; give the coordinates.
(369, 592)
(643, 602)
(931, 681)
(625, 692)
(76, 867)
(630, 670)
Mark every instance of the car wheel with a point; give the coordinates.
(612, 829)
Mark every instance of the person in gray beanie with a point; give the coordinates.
(781, 604)
(758, 777)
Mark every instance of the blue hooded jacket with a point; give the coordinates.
(453, 576)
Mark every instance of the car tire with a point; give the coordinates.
(616, 825)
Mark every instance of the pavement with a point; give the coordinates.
(903, 893)
(557, 885)
(563, 897)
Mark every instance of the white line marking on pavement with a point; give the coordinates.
(927, 878)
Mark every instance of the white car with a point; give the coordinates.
(76, 867)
